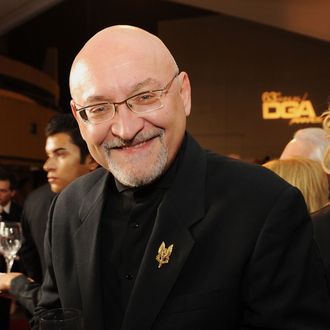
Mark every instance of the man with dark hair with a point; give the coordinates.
(67, 124)
(10, 210)
(68, 158)
(68, 155)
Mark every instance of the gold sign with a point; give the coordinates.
(297, 109)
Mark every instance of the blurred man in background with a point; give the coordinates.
(10, 210)
(68, 158)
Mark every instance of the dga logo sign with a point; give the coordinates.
(297, 109)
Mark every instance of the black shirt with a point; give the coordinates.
(127, 221)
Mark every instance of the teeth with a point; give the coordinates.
(134, 145)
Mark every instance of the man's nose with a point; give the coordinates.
(126, 124)
(48, 165)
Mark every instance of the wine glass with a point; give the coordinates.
(61, 318)
(10, 241)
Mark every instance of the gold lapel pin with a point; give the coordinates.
(163, 256)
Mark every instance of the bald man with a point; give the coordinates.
(167, 235)
(309, 142)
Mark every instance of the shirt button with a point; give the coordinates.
(129, 277)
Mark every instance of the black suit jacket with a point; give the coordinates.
(243, 255)
(14, 214)
(34, 221)
(321, 222)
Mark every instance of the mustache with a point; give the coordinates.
(141, 137)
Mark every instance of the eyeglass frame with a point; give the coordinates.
(116, 104)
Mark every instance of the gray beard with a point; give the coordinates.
(130, 177)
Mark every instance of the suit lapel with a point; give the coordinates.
(87, 245)
(178, 211)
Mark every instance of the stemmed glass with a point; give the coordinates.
(10, 241)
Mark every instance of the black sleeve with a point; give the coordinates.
(28, 253)
(26, 292)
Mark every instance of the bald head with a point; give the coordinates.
(128, 79)
(310, 142)
(121, 52)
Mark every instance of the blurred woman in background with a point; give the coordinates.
(305, 174)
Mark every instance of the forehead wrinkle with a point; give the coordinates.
(134, 89)
(126, 54)
(137, 87)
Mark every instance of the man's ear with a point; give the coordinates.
(73, 109)
(91, 163)
(13, 193)
(186, 93)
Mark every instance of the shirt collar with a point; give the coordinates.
(6, 208)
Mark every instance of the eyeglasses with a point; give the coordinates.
(140, 103)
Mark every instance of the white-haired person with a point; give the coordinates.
(309, 142)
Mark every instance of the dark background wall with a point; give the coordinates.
(68, 25)
(231, 62)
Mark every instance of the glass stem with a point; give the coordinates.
(9, 263)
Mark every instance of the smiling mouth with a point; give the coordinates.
(133, 144)
(139, 141)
